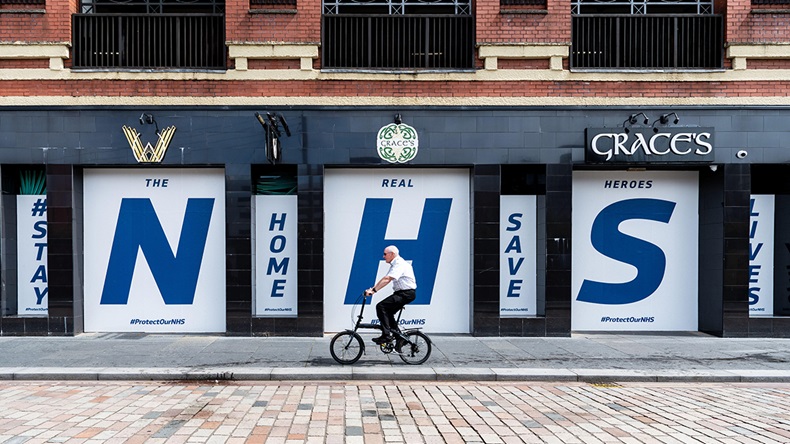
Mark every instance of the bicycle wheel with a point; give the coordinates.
(346, 347)
(418, 351)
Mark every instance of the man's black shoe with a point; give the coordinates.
(382, 339)
(399, 344)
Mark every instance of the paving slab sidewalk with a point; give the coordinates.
(582, 357)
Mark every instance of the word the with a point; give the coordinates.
(156, 183)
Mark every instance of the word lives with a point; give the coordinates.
(761, 255)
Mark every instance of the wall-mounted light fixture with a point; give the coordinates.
(633, 119)
(664, 119)
(148, 119)
(398, 119)
(274, 125)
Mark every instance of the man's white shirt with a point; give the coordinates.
(402, 275)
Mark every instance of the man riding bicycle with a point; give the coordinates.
(404, 284)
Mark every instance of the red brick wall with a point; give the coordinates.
(744, 25)
(24, 63)
(356, 88)
(493, 26)
(29, 27)
(273, 64)
(302, 27)
(523, 63)
(552, 27)
(768, 64)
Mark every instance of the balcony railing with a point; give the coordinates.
(149, 41)
(398, 42)
(660, 42)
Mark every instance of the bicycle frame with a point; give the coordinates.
(418, 349)
(371, 326)
(359, 323)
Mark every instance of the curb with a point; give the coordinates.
(344, 373)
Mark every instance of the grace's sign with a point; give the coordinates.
(677, 144)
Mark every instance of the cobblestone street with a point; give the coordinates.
(378, 412)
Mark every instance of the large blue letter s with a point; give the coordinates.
(649, 260)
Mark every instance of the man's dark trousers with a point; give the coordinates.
(387, 308)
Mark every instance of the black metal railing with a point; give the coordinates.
(149, 41)
(396, 42)
(662, 42)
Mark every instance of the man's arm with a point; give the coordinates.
(379, 285)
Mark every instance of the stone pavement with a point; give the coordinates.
(410, 412)
(583, 357)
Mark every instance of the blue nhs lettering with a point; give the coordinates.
(41, 272)
(754, 251)
(424, 252)
(139, 229)
(648, 259)
(514, 285)
(277, 245)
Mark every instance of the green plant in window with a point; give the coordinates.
(32, 182)
(275, 185)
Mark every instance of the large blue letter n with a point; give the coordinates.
(139, 229)
(423, 252)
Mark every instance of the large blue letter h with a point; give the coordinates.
(139, 229)
(424, 252)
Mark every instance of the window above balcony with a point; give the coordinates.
(149, 34)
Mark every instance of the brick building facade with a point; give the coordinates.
(507, 94)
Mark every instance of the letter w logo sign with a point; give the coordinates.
(139, 229)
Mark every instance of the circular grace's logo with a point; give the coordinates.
(397, 143)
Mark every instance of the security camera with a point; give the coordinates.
(741, 154)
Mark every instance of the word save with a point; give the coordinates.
(515, 256)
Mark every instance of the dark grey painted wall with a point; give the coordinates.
(549, 139)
